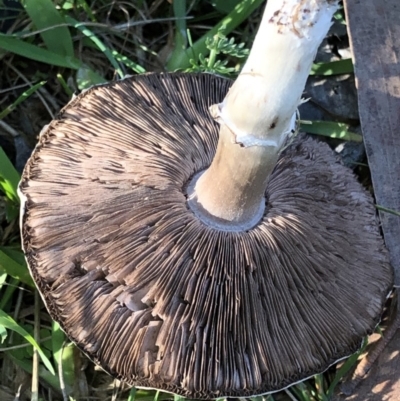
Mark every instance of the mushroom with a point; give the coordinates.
(199, 260)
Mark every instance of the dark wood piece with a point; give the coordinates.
(374, 31)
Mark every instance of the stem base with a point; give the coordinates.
(215, 222)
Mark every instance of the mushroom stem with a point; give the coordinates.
(259, 112)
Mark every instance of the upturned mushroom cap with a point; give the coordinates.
(161, 300)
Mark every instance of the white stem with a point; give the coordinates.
(259, 109)
(259, 112)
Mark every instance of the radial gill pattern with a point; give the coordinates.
(159, 299)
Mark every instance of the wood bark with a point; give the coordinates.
(374, 31)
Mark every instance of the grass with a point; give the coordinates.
(49, 50)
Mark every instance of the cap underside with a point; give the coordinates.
(161, 300)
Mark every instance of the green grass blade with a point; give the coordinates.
(333, 68)
(43, 373)
(35, 355)
(45, 15)
(3, 334)
(242, 11)
(132, 394)
(300, 391)
(15, 253)
(350, 362)
(12, 210)
(3, 330)
(57, 341)
(6, 296)
(86, 77)
(21, 98)
(63, 355)
(10, 263)
(179, 7)
(225, 6)
(64, 85)
(339, 16)
(33, 52)
(9, 178)
(87, 9)
(9, 323)
(387, 210)
(148, 395)
(330, 129)
(102, 47)
(3, 279)
(320, 387)
(129, 63)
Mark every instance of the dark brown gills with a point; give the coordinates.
(161, 300)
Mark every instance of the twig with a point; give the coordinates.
(116, 388)
(23, 345)
(49, 98)
(16, 87)
(119, 27)
(14, 133)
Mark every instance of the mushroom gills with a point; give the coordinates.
(161, 300)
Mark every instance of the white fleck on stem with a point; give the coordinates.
(259, 112)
